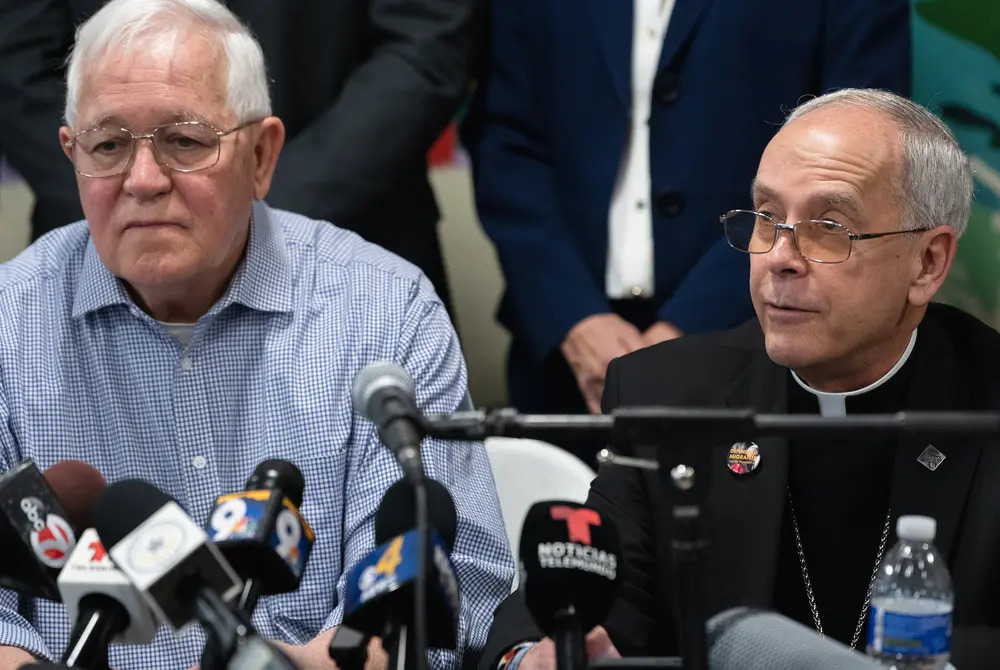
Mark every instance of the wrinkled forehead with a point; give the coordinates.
(840, 157)
(172, 76)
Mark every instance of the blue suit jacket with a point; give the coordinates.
(550, 122)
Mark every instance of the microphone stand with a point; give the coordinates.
(420, 591)
(407, 424)
(93, 631)
(684, 459)
(571, 654)
(223, 628)
(230, 638)
(690, 478)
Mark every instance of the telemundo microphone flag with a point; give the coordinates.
(956, 73)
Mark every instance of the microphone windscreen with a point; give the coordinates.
(375, 377)
(77, 485)
(745, 639)
(123, 506)
(277, 474)
(569, 556)
(397, 513)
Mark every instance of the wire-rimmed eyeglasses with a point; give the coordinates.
(186, 146)
(819, 240)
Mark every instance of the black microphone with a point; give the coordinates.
(92, 590)
(381, 588)
(396, 514)
(569, 574)
(384, 394)
(182, 575)
(163, 552)
(102, 604)
(349, 648)
(40, 519)
(746, 639)
(261, 532)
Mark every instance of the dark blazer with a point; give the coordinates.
(550, 122)
(955, 368)
(364, 87)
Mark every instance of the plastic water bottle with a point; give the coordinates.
(910, 619)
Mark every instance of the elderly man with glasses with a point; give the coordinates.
(859, 202)
(185, 332)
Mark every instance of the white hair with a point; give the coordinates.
(123, 26)
(935, 188)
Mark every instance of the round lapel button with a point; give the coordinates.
(743, 458)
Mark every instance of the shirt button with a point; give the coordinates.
(199, 462)
(187, 364)
(636, 291)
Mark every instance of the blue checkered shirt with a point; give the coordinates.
(85, 374)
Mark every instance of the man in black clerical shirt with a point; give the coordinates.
(858, 205)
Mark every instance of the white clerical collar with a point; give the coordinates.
(835, 404)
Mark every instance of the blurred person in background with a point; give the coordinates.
(363, 88)
(606, 137)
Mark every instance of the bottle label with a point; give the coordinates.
(891, 632)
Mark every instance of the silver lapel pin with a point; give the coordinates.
(931, 458)
(608, 457)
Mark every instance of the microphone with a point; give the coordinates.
(746, 639)
(162, 551)
(102, 604)
(180, 574)
(261, 532)
(349, 648)
(396, 514)
(384, 394)
(40, 518)
(381, 588)
(569, 573)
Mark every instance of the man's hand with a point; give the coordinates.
(543, 655)
(589, 347)
(315, 654)
(12, 658)
(661, 331)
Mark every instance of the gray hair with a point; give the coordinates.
(123, 26)
(935, 188)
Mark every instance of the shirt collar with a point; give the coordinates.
(263, 279)
(835, 404)
(96, 287)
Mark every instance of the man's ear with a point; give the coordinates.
(931, 263)
(65, 133)
(270, 140)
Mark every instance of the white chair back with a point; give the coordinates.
(529, 471)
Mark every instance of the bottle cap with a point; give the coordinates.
(916, 528)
